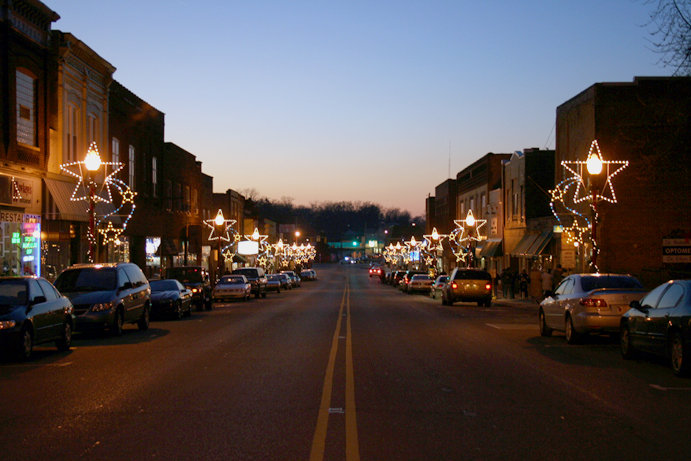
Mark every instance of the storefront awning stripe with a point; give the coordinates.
(521, 249)
(540, 243)
(61, 191)
(491, 248)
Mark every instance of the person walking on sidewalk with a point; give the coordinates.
(523, 284)
(547, 280)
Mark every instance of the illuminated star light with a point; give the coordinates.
(434, 240)
(574, 233)
(79, 171)
(257, 237)
(576, 168)
(218, 222)
(469, 222)
(110, 233)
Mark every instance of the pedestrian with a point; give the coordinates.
(513, 276)
(547, 280)
(505, 282)
(523, 284)
(557, 276)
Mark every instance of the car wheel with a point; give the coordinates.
(571, 336)
(264, 294)
(625, 346)
(65, 341)
(178, 310)
(25, 346)
(116, 326)
(677, 355)
(544, 329)
(278, 291)
(143, 322)
(188, 312)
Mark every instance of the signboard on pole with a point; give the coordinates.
(676, 250)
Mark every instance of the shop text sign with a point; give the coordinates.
(676, 250)
(17, 217)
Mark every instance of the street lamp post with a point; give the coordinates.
(594, 167)
(92, 162)
(220, 224)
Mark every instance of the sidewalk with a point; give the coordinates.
(528, 303)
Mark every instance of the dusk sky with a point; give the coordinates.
(359, 100)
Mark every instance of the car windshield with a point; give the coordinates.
(421, 277)
(12, 292)
(231, 279)
(87, 279)
(247, 272)
(274, 277)
(592, 282)
(163, 285)
(185, 274)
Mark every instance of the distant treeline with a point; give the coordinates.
(337, 220)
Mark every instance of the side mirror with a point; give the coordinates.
(636, 304)
(126, 286)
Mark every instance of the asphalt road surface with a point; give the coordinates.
(343, 368)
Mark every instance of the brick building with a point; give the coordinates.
(648, 123)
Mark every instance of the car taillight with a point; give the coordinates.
(454, 285)
(593, 302)
(488, 286)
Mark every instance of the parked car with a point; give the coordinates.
(660, 324)
(396, 278)
(32, 312)
(308, 275)
(375, 271)
(286, 282)
(407, 276)
(257, 278)
(588, 303)
(273, 283)
(438, 286)
(294, 278)
(196, 279)
(170, 297)
(469, 285)
(420, 283)
(234, 286)
(107, 295)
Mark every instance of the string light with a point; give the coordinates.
(217, 223)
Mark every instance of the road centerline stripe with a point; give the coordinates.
(319, 439)
(352, 447)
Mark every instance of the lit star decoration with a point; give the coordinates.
(217, 223)
(227, 254)
(79, 170)
(470, 222)
(594, 161)
(88, 189)
(434, 240)
(110, 234)
(573, 196)
(575, 234)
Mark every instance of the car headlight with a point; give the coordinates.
(195, 290)
(7, 324)
(100, 307)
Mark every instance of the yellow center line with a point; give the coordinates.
(352, 448)
(319, 439)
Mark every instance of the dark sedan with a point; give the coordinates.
(659, 324)
(32, 311)
(170, 297)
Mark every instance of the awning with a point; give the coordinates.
(540, 243)
(521, 249)
(61, 191)
(69, 210)
(491, 248)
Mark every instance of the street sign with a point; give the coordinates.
(676, 250)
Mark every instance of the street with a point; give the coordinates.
(342, 368)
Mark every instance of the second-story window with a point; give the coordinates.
(195, 201)
(131, 168)
(115, 151)
(92, 127)
(71, 133)
(177, 196)
(154, 176)
(26, 109)
(186, 205)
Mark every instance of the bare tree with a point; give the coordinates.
(670, 24)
